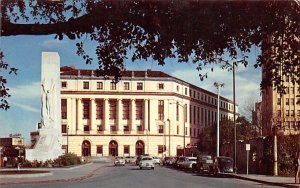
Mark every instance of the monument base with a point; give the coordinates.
(47, 146)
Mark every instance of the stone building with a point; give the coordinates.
(146, 112)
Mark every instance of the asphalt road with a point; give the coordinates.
(131, 176)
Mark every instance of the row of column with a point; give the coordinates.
(105, 122)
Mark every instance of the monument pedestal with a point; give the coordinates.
(47, 147)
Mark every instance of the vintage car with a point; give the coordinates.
(223, 165)
(119, 161)
(168, 161)
(129, 159)
(188, 163)
(204, 164)
(146, 162)
(156, 160)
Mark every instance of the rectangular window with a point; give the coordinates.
(86, 85)
(126, 149)
(126, 128)
(287, 101)
(202, 116)
(99, 85)
(287, 113)
(99, 128)
(86, 109)
(194, 94)
(177, 88)
(198, 115)
(99, 109)
(185, 130)
(279, 113)
(287, 91)
(139, 128)
(161, 129)
(278, 101)
(177, 111)
(194, 114)
(190, 91)
(139, 86)
(292, 113)
(99, 149)
(63, 84)
(298, 113)
(86, 128)
(177, 130)
(64, 108)
(160, 148)
(126, 85)
(113, 128)
(292, 102)
(161, 86)
(185, 113)
(112, 109)
(63, 128)
(191, 114)
(139, 109)
(185, 91)
(161, 110)
(126, 109)
(113, 86)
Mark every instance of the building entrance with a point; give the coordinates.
(139, 148)
(86, 148)
(113, 148)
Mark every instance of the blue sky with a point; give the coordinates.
(24, 53)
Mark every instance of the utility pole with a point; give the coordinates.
(218, 85)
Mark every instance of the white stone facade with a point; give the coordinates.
(146, 110)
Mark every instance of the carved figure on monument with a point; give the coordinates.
(47, 101)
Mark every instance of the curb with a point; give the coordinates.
(264, 182)
(90, 174)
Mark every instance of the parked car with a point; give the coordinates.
(146, 162)
(174, 162)
(156, 160)
(204, 164)
(129, 159)
(180, 162)
(188, 163)
(119, 161)
(167, 161)
(223, 165)
(138, 159)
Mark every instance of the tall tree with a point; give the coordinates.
(197, 31)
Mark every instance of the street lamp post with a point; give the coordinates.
(234, 112)
(67, 139)
(183, 119)
(169, 136)
(218, 85)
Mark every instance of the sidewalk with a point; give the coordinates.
(56, 174)
(269, 180)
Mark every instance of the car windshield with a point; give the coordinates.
(225, 160)
(192, 159)
(146, 158)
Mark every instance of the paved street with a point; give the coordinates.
(109, 176)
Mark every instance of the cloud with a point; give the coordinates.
(30, 91)
(25, 107)
(53, 43)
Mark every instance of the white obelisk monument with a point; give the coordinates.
(49, 143)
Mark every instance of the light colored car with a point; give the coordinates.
(119, 161)
(156, 160)
(146, 162)
(188, 163)
(129, 159)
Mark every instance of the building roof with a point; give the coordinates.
(72, 71)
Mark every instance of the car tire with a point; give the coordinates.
(152, 168)
(141, 168)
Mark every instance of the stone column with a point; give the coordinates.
(106, 117)
(146, 116)
(93, 125)
(132, 117)
(79, 126)
(119, 117)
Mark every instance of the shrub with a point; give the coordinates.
(67, 160)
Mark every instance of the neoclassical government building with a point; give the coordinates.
(145, 112)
